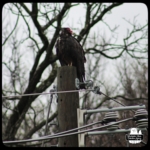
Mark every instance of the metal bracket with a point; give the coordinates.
(96, 90)
(77, 83)
(88, 83)
(81, 137)
(54, 90)
(80, 115)
(141, 118)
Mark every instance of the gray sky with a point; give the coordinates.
(76, 16)
(127, 10)
(76, 19)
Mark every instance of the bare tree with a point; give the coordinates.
(22, 116)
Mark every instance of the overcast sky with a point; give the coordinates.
(76, 16)
(127, 10)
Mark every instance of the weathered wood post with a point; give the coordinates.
(67, 105)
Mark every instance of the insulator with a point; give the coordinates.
(110, 118)
(113, 127)
(89, 84)
(142, 123)
(97, 90)
(141, 113)
(141, 118)
(77, 83)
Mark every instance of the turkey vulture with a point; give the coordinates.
(70, 53)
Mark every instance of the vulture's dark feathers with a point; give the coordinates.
(71, 53)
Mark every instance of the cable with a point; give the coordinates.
(49, 107)
(59, 136)
(45, 93)
(64, 133)
(75, 129)
(122, 105)
(105, 94)
(113, 99)
(116, 101)
(65, 92)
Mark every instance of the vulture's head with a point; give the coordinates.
(66, 32)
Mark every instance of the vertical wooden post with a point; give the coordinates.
(67, 105)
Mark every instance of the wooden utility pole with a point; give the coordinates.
(67, 105)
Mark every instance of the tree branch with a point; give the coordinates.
(129, 99)
(88, 26)
(27, 27)
(11, 31)
(39, 126)
(34, 15)
(25, 7)
(24, 104)
(100, 52)
(66, 7)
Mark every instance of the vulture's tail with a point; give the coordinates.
(81, 73)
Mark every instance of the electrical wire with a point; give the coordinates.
(105, 94)
(79, 128)
(70, 91)
(112, 99)
(49, 107)
(122, 105)
(115, 101)
(64, 133)
(69, 134)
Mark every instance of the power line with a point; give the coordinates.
(74, 129)
(49, 107)
(79, 128)
(55, 92)
(66, 133)
(44, 93)
(62, 135)
(113, 99)
(116, 101)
